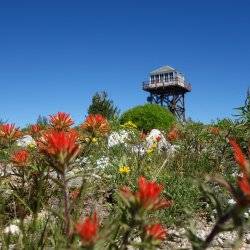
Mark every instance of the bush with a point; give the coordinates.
(149, 116)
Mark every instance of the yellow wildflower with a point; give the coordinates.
(124, 170)
(150, 151)
(152, 148)
(94, 140)
(129, 125)
(32, 145)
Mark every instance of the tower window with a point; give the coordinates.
(166, 77)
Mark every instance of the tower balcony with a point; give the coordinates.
(172, 85)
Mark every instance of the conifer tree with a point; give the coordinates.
(102, 104)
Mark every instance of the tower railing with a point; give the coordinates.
(154, 84)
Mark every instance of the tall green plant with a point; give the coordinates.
(102, 104)
(244, 117)
(244, 111)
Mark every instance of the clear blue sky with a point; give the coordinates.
(54, 55)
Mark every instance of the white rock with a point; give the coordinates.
(202, 234)
(6, 170)
(156, 136)
(220, 241)
(75, 178)
(231, 201)
(182, 231)
(246, 215)
(25, 141)
(173, 233)
(116, 138)
(247, 238)
(12, 229)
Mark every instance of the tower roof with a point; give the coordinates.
(164, 69)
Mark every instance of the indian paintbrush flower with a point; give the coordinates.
(156, 232)
(173, 135)
(244, 180)
(147, 196)
(9, 132)
(60, 146)
(241, 195)
(61, 121)
(239, 156)
(143, 136)
(96, 125)
(214, 130)
(74, 194)
(20, 158)
(35, 130)
(158, 138)
(244, 185)
(88, 230)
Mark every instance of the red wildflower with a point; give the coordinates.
(9, 132)
(60, 146)
(74, 194)
(96, 125)
(173, 135)
(158, 138)
(244, 185)
(214, 130)
(126, 193)
(143, 136)
(156, 232)
(239, 156)
(61, 121)
(88, 229)
(20, 158)
(148, 195)
(35, 130)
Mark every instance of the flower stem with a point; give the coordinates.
(217, 228)
(66, 205)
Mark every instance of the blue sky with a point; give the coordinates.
(54, 55)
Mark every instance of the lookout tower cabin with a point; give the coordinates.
(167, 87)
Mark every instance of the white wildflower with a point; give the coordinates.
(116, 138)
(12, 229)
(102, 162)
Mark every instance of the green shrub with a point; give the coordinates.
(149, 116)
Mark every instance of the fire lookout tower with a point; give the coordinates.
(168, 87)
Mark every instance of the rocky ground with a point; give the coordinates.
(177, 238)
